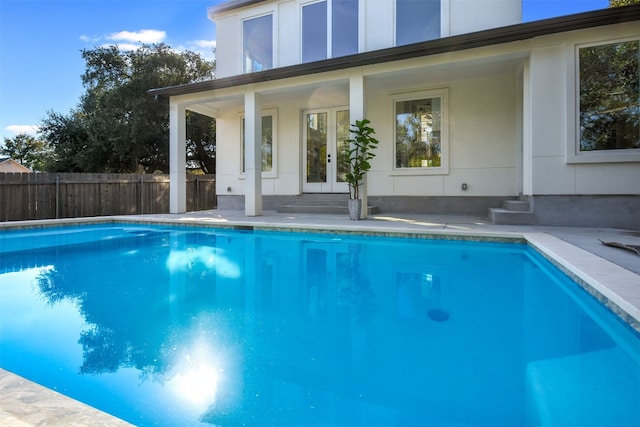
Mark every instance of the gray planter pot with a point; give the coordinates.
(355, 209)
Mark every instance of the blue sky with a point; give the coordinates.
(40, 43)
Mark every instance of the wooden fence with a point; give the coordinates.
(25, 196)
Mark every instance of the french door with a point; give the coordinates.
(325, 150)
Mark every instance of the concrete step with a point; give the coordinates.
(517, 205)
(321, 209)
(503, 216)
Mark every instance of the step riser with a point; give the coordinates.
(318, 209)
(505, 217)
(516, 206)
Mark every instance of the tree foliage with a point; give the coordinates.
(618, 3)
(117, 127)
(26, 150)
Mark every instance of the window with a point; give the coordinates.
(344, 27)
(609, 97)
(314, 31)
(332, 23)
(417, 21)
(420, 132)
(257, 44)
(267, 144)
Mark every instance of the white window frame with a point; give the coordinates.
(443, 169)
(273, 173)
(573, 152)
(274, 40)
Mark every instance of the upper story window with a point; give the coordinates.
(257, 44)
(417, 21)
(609, 97)
(329, 29)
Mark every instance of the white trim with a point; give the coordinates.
(573, 153)
(443, 169)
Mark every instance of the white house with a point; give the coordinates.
(476, 112)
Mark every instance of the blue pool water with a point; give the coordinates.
(194, 326)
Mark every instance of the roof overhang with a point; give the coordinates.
(491, 37)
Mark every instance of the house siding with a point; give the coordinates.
(377, 17)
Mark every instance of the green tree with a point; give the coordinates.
(26, 150)
(618, 3)
(117, 127)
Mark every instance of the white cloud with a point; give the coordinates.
(211, 44)
(142, 36)
(122, 46)
(18, 129)
(126, 40)
(89, 39)
(203, 47)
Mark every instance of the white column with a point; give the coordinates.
(357, 112)
(253, 154)
(527, 131)
(177, 158)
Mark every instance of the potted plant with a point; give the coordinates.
(361, 146)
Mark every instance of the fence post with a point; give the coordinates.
(141, 193)
(57, 196)
(197, 193)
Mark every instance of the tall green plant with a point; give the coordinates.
(361, 146)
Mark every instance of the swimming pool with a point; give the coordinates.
(167, 325)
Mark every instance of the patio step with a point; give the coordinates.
(506, 217)
(335, 204)
(513, 212)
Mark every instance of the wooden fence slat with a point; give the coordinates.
(64, 195)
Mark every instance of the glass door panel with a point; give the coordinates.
(326, 150)
(342, 146)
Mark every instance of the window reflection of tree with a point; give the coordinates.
(610, 96)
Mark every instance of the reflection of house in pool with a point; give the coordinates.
(473, 108)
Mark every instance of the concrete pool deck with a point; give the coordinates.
(612, 274)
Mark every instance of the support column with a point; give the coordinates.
(527, 131)
(177, 158)
(253, 154)
(357, 112)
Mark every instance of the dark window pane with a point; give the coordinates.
(257, 36)
(609, 97)
(418, 131)
(344, 27)
(314, 32)
(417, 20)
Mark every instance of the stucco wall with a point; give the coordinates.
(377, 21)
(553, 122)
(483, 143)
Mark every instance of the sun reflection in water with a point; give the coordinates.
(197, 376)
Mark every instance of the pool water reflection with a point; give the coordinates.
(188, 326)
